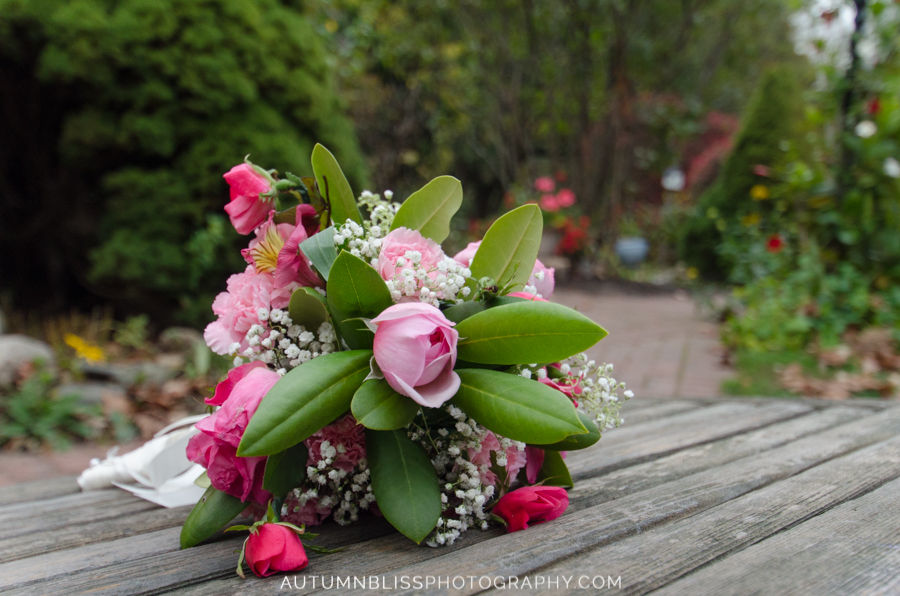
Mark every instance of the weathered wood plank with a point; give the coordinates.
(53, 539)
(626, 445)
(654, 409)
(94, 556)
(524, 552)
(159, 573)
(852, 549)
(29, 492)
(653, 559)
(96, 499)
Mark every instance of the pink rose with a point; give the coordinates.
(240, 477)
(415, 347)
(544, 286)
(247, 209)
(238, 308)
(228, 423)
(565, 198)
(272, 548)
(544, 184)
(465, 256)
(531, 504)
(224, 388)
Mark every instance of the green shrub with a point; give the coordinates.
(120, 119)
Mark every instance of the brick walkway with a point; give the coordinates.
(659, 345)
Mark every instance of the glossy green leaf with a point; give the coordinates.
(334, 187)
(202, 480)
(554, 472)
(286, 470)
(404, 482)
(377, 406)
(307, 308)
(526, 332)
(515, 407)
(510, 247)
(321, 251)
(464, 310)
(355, 291)
(430, 209)
(211, 513)
(576, 442)
(306, 399)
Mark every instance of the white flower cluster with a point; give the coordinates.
(599, 397)
(364, 241)
(446, 281)
(283, 345)
(345, 493)
(463, 495)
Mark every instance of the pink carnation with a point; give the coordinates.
(238, 308)
(310, 514)
(515, 459)
(397, 244)
(345, 432)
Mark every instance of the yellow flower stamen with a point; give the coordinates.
(265, 254)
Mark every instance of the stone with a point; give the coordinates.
(129, 374)
(91, 393)
(180, 338)
(17, 350)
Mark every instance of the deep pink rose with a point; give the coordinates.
(531, 505)
(544, 184)
(397, 244)
(224, 388)
(415, 347)
(240, 477)
(544, 286)
(273, 548)
(246, 209)
(565, 198)
(229, 422)
(238, 308)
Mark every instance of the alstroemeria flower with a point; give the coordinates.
(247, 210)
(542, 277)
(276, 250)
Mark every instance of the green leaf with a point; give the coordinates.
(285, 471)
(307, 308)
(355, 291)
(404, 482)
(554, 472)
(576, 442)
(510, 247)
(321, 251)
(377, 406)
(334, 187)
(430, 209)
(202, 480)
(515, 407)
(211, 513)
(525, 332)
(306, 399)
(464, 310)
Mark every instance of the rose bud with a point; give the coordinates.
(247, 210)
(272, 548)
(415, 348)
(531, 504)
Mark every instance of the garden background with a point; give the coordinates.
(740, 156)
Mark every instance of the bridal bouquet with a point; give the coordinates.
(373, 373)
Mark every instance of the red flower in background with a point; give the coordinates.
(544, 184)
(575, 237)
(761, 170)
(873, 106)
(775, 243)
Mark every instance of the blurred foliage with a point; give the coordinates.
(499, 92)
(125, 115)
(820, 254)
(770, 123)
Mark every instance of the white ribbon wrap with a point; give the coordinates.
(158, 471)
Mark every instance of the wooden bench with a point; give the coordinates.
(688, 497)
